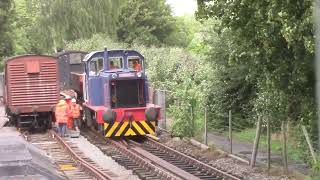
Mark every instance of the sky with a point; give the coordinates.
(181, 7)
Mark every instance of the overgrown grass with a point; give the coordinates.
(248, 136)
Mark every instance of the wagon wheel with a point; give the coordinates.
(48, 124)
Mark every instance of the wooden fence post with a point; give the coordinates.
(205, 127)
(165, 108)
(256, 143)
(230, 130)
(306, 135)
(269, 144)
(192, 123)
(284, 147)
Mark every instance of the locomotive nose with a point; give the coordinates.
(109, 116)
(151, 114)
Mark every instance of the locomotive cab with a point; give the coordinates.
(116, 94)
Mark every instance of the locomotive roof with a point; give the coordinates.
(113, 52)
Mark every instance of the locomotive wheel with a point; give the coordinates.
(48, 124)
(12, 121)
(88, 117)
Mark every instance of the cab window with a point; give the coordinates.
(96, 65)
(115, 63)
(135, 63)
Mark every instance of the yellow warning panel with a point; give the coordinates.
(129, 128)
(67, 167)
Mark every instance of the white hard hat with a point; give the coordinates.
(62, 101)
(73, 100)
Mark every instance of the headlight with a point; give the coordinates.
(114, 76)
(139, 74)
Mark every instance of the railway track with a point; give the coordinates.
(68, 157)
(184, 162)
(152, 160)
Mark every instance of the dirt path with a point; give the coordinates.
(244, 149)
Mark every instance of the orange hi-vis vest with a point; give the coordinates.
(137, 67)
(62, 112)
(75, 109)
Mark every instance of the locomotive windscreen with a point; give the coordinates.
(127, 93)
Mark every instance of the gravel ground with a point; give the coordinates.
(217, 158)
(101, 159)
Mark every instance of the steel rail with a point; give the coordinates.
(94, 171)
(143, 162)
(160, 162)
(194, 161)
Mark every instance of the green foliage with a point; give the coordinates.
(229, 87)
(43, 26)
(316, 170)
(184, 32)
(262, 54)
(186, 79)
(269, 47)
(145, 22)
(5, 39)
(26, 36)
(95, 43)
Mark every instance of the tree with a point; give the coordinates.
(147, 22)
(5, 40)
(184, 31)
(59, 21)
(275, 39)
(25, 23)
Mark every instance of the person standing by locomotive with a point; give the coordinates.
(62, 115)
(75, 109)
(70, 119)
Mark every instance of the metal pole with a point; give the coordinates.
(192, 125)
(316, 14)
(230, 131)
(269, 144)
(205, 127)
(164, 112)
(284, 147)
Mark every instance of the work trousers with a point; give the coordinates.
(62, 129)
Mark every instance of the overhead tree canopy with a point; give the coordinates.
(148, 22)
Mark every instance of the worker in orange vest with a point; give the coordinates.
(75, 109)
(70, 119)
(62, 114)
(136, 66)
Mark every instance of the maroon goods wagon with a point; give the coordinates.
(31, 90)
